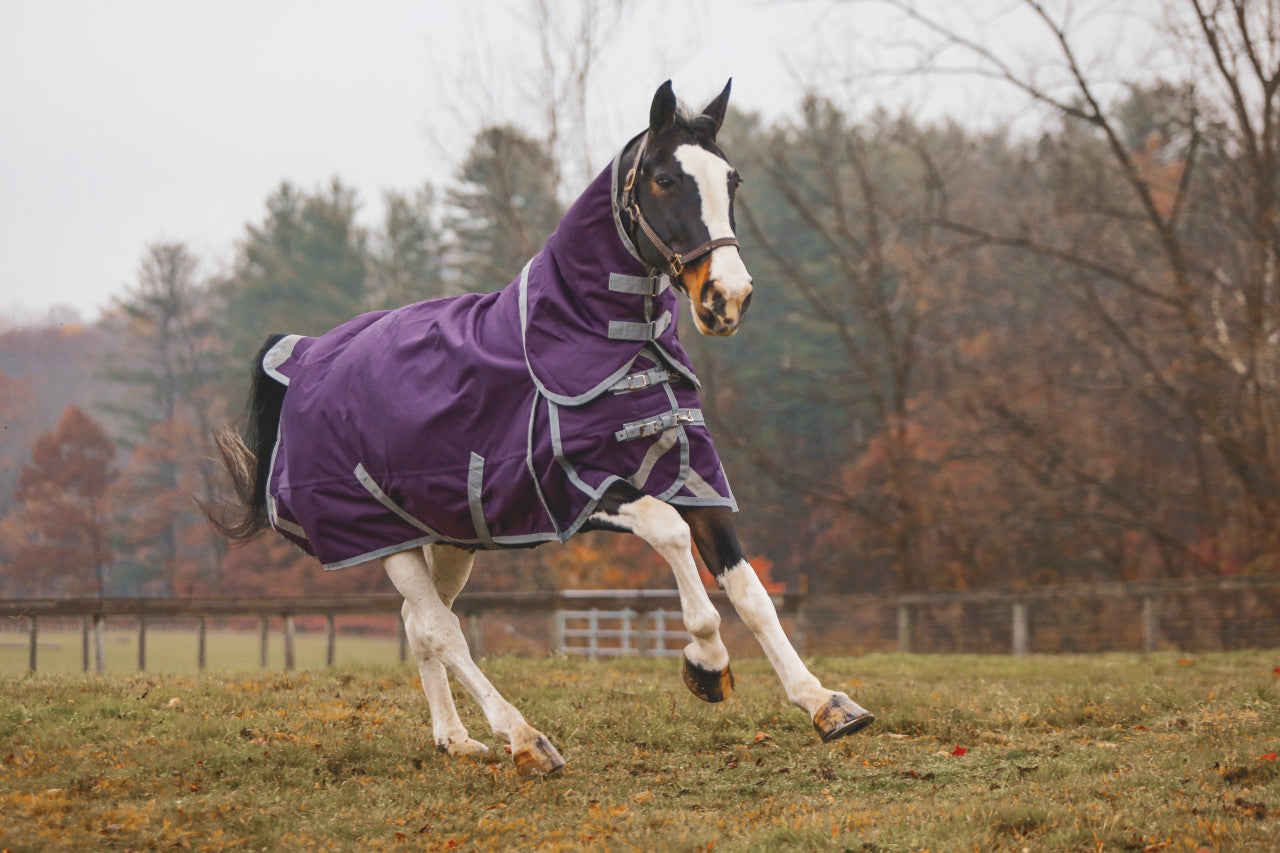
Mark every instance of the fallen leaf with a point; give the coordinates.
(762, 736)
(959, 751)
(1270, 756)
(642, 797)
(1186, 662)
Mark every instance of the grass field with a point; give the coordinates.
(1112, 752)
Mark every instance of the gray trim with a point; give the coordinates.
(281, 352)
(621, 330)
(681, 500)
(273, 513)
(559, 399)
(533, 475)
(638, 285)
(366, 480)
(475, 499)
(381, 552)
(675, 365)
(656, 452)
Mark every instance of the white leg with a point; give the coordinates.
(433, 627)
(449, 570)
(661, 526)
(833, 713)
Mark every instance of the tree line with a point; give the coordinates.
(974, 358)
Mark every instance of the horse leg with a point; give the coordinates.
(433, 627)
(706, 660)
(450, 568)
(833, 713)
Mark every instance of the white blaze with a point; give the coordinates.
(711, 173)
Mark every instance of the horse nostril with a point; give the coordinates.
(746, 303)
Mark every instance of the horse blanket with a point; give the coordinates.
(493, 420)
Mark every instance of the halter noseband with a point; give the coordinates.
(675, 261)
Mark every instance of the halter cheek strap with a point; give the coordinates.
(675, 261)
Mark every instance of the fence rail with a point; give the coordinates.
(1210, 613)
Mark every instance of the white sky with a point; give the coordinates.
(128, 121)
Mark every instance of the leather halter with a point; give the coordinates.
(675, 261)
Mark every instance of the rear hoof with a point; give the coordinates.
(841, 716)
(538, 760)
(709, 685)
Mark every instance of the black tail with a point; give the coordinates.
(247, 456)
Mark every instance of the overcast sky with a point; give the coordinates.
(128, 121)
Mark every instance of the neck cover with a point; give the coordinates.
(493, 420)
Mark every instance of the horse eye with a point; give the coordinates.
(665, 182)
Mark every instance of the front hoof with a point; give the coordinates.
(541, 759)
(465, 747)
(841, 716)
(709, 685)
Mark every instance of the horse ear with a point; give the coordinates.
(716, 109)
(662, 113)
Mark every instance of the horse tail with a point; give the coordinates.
(247, 456)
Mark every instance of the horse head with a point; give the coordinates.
(678, 194)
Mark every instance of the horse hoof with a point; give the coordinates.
(841, 716)
(709, 685)
(541, 759)
(466, 747)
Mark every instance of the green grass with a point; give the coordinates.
(1114, 752)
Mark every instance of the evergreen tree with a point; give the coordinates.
(303, 271)
(504, 209)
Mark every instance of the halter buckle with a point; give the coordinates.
(677, 264)
(631, 180)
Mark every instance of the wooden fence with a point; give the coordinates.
(1214, 613)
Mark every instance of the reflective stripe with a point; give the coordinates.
(662, 423)
(383, 498)
(656, 452)
(638, 285)
(475, 499)
(620, 330)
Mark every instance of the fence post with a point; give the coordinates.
(642, 634)
(84, 644)
(1019, 628)
(593, 642)
(264, 639)
(33, 641)
(475, 635)
(1150, 624)
(289, 660)
(904, 628)
(202, 643)
(142, 642)
(331, 640)
(99, 643)
(557, 632)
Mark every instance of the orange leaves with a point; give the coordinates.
(959, 752)
(1270, 756)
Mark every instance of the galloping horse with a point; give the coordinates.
(562, 403)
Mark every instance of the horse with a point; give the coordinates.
(559, 404)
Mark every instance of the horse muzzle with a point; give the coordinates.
(720, 294)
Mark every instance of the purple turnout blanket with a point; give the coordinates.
(493, 420)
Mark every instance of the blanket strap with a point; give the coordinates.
(662, 423)
(620, 330)
(640, 381)
(638, 285)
